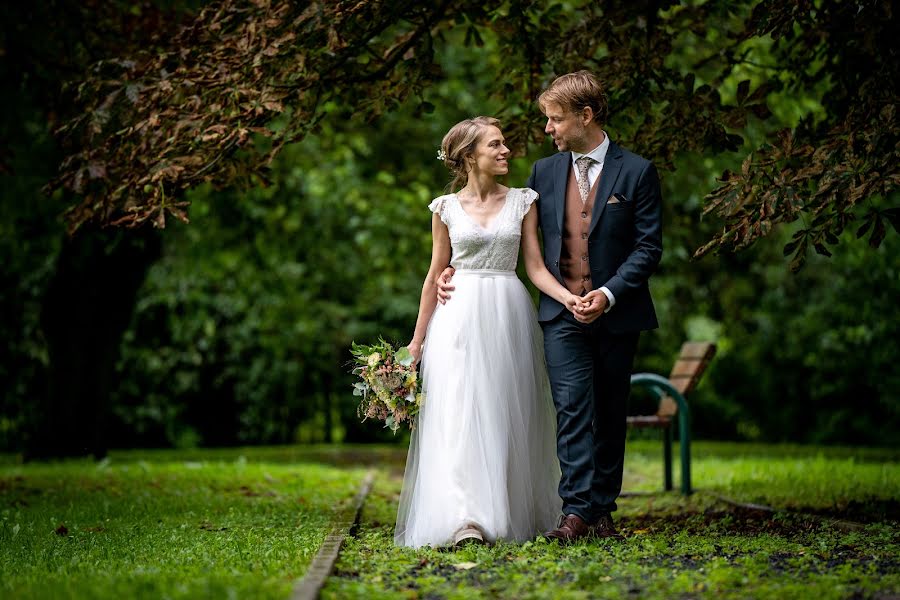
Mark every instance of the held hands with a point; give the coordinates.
(586, 309)
(443, 285)
(590, 306)
(574, 303)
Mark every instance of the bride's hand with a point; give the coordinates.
(415, 348)
(573, 302)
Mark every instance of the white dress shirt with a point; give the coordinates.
(599, 155)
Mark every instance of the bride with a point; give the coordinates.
(482, 460)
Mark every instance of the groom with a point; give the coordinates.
(599, 214)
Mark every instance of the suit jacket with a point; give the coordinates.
(624, 239)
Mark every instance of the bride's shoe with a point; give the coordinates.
(469, 533)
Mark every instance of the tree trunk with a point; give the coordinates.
(87, 308)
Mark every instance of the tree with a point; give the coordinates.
(839, 164)
(154, 125)
(69, 308)
(175, 99)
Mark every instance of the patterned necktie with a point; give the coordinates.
(584, 184)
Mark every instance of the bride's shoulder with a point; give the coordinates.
(437, 205)
(526, 195)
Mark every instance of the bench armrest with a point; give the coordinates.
(661, 386)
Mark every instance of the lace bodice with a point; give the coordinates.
(495, 247)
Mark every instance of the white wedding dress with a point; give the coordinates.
(484, 447)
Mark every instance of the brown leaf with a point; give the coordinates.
(878, 232)
(178, 214)
(62, 530)
(97, 529)
(207, 526)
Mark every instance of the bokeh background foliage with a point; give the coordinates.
(235, 328)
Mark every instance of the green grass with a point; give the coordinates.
(246, 522)
(701, 546)
(214, 524)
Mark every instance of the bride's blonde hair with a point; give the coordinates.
(460, 142)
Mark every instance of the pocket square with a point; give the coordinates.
(616, 198)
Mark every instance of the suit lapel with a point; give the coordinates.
(612, 164)
(561, 180)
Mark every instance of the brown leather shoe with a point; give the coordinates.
(605, 528)
(571, 528)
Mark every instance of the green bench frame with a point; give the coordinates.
(671, 392)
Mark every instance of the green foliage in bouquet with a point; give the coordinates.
(389, 385)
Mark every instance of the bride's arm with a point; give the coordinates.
(440, 258)
(535, 267)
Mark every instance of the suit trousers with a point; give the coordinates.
(590, 376)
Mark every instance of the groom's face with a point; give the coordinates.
(566, 128)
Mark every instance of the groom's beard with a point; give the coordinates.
(574, 141)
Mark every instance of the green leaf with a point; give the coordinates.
(865, 226)
(893, 217)
(404, 356)
(743, 90)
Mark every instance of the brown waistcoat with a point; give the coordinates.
(574, 264)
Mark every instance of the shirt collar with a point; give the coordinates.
(598, 153)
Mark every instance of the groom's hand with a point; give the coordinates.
(593, 305)
(443, 285)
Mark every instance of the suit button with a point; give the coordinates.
(584, 257)
(584, 236)
(584, 215)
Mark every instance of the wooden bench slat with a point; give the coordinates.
(687, 367)
(697, 349)
(648, 421)
(686, 373)
(667, 407)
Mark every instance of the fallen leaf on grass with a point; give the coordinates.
(640, 531)
(207, 526)
(62, 530)
(606, 578)
(465, 566)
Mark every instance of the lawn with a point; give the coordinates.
(246, 522)
(834, 533)
(209, 524)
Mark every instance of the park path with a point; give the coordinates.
(310, 585)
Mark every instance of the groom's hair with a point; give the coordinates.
(574, 91)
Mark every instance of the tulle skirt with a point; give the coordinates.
(484, 447)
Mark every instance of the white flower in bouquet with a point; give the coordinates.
(389, 388)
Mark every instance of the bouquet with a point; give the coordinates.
(390, 386)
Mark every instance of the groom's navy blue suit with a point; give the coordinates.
(590, 364)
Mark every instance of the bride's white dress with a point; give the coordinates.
(484, 447)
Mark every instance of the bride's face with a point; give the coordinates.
(491, 156)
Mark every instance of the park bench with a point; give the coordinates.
(670, 393)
